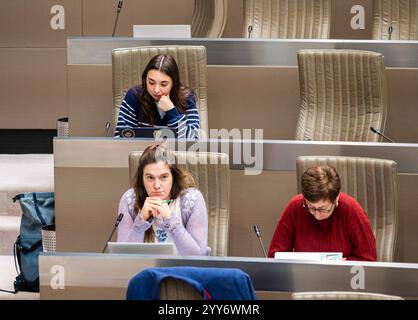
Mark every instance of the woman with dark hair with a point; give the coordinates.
(164, 206)
(161, 100)
(323, 219)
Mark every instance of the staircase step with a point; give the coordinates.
(24, 173)
(9, 230)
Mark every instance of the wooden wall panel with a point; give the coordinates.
(90, 93)
(26, 23)
(341, 19)
(33, 87)
(99, 15)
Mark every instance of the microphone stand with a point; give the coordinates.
(381, 134)
(250, 30)
(107, 126)
(120, 3)
(257, 233)
(118, 220)
(390, 30)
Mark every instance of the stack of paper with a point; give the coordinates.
(316, 256)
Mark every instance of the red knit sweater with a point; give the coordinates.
(347, 230)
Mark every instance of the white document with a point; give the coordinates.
(315, 256)
(162, 31)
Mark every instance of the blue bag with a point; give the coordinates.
(38, 210)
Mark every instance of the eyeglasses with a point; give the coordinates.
(320, 210)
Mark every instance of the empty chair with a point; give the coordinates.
(372, 182)
(288, 19)
(209, 18)
(342, 94)
(129, 63)
(395, 20)
(190, 283)
(342, 295)
(211, 173)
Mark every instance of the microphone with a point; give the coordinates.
(120, 4)
(257, 233)
(107, 126)
(390, 30)
(380, 134)
(250, 30)
(118, 220)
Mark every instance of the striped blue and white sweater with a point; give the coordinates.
(131, 115)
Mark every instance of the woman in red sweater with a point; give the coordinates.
(323, 219)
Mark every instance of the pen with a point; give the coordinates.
(166, 201)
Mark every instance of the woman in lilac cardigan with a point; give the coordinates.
(164, 206)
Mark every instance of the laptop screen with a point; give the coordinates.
(141, 247)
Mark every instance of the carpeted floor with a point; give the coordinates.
(7, 278)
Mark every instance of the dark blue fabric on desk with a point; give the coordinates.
(218, 283)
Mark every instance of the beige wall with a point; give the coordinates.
(234, 20)
(89, 93)
(401, 122)
(33, 57)
(32, 87)
(341, 20)
(254, 97)
(26, 24)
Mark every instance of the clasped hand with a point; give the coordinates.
(165, 103)
(156, 208)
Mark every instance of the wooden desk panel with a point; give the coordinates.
(106, 276)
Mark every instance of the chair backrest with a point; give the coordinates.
(211, 173)
(176, 289)
(342, 295)
(291, 19)
(129, 63)
(400, 15)
(372, 182)
(185, 282)
(209, 18)
(342, 94)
